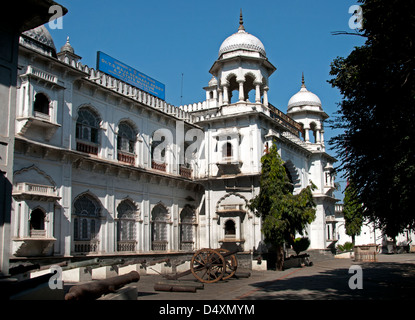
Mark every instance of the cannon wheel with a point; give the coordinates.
(231, 264)
(208, 265)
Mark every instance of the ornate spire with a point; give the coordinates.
(302, 81)
(241, 22)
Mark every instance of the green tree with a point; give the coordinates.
(377, 112)
(353, 212)
(283, 214)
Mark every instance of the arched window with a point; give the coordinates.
(233, 89)
(87, 125)
(249, 88)
(227, 150)
(37, 220)
(159, 224)
(313, 128)
(126, 138)
(187, 221)
(86, 221)
(230, 229)
(126, 229)
(41, 103)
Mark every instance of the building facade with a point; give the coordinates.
(102, 167)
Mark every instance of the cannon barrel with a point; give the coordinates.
(94, 290)
(111, 262)
(22, 269)
(80, 264)
(134, 261)
(105, 263)
(59, 264)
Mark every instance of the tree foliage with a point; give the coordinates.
(353, 212)
(377, 112)
(283, 214)
(300, 244)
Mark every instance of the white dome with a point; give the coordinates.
(242, 40)
(304, 97)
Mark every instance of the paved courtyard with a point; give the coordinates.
(392, 277)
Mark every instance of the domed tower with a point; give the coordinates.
(241, 66)
(67, 51)
(305, 108)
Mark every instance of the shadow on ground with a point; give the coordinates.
(381, 280)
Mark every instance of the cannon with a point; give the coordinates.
(134, 261)
(22, 269)
(210, 265)
(59, 264)
(80, 264)
(94, 290)
(105, 263)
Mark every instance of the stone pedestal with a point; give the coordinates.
(259, 265)
(76, 275)
(133, 267)
(103, 273)
(160, 268)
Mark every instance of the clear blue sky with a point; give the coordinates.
(166, 38)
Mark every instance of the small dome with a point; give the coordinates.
(67, 47)
(42, 35)
(242, 40)
(213, 82)
(304, 98)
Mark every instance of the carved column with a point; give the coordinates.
(225, 94)
(220, 96)
(266, 96)
(307, 133)
(257, 92)
(241, 90)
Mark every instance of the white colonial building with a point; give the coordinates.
(102, 167)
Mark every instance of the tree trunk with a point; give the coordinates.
(280, 257)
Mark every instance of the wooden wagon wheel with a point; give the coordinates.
(231, 263)
(208, 265)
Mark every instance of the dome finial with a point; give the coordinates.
(67, 46)
(302, 81)
(241, 22)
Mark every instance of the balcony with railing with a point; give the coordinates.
(86, 246)
(158, 166)
(126, 157)
(37, 233)
(33, 191)
(159, 245)
(126, 245)
(87, 148)
(185, 172)
(187, 246)
(229, 165)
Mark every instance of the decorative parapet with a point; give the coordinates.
(40, 74)
(127, 90)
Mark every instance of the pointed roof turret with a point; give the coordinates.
(241, 22)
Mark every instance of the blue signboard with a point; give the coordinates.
(125, 73)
